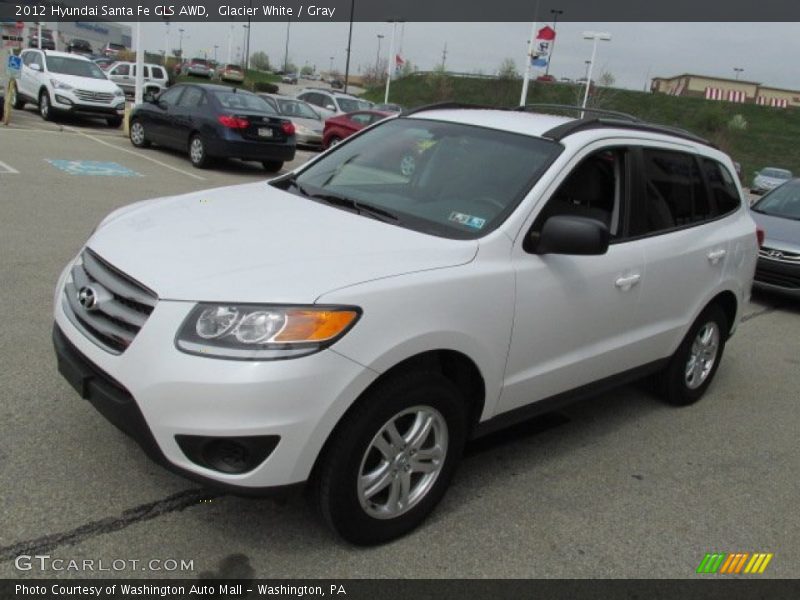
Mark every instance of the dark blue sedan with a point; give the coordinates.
(214, 121)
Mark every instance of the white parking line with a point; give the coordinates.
(6, 168)
(139, 154)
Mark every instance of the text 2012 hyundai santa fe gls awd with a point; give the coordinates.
(438, 276)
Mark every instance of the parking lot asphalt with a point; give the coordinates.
(617, 486)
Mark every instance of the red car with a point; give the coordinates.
(341, 126)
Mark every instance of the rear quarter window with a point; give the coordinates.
(722, 186)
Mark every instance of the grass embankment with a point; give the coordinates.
(770, 136)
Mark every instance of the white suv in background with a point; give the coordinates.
(329, 103)
(124, 75)
(352, 324)
(62, 82)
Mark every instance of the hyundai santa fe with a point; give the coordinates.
(352, 324)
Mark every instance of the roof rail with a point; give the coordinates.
(561, 131)
(448, 105)
(597, 111)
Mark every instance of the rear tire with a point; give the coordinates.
(332, 141)
(694, 364)
(273, 166)
(197, 152)
(372, 487)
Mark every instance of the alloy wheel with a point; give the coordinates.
(702, 355)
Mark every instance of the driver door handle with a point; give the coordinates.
(716, 255)
(628, 281)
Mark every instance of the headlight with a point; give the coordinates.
(118, 92)
(263, 332)
(60, 85)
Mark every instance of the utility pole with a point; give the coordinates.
(166, 42)
(180, 44)
(378, 57)
(215, 53)
(230, 43)
(444, 55)
(286, 51)
(249, 27)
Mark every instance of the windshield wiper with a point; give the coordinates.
(360, 207)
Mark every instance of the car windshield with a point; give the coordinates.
(74, 66)
(295, 108)
(351, 104)
(783, 201)
(776, 173)
(242, 101)
(446, 179)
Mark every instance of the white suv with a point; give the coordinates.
(329, 103)
(353, 323)
(62, 82)
(124, 75)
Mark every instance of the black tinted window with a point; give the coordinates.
(674, 193)
(192, 98)
(722, 186)
(170, 97)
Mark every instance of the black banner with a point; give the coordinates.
(390, 589)
(404, 10)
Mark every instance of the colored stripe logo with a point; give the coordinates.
(734, 563)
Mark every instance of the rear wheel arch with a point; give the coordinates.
(729, 304)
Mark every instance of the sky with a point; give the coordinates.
(636, 53)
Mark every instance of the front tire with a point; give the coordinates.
(138, 135)
(694, 364)
(391, 460)
(17, 102)
(197, 152)
(333, 141)
(45, 110)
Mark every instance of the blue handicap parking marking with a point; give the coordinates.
(93, 167)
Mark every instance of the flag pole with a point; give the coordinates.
(529, 58)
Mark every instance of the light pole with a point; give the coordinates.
(286, 52)
(586, 72)
(594, 36)
(180, 44)
(378, 58)
(166, 41)
(349, 44)
(555, 14)
(738, 70)
(330, 69)
(230, 43)
(246, 36)
(215, 53)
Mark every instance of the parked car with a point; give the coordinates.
(232, 73)
(104, 62)
(113, 50)
(350, 328)
(769, 178)
(48, 43)
(212, 121)
(343, 126)
(328, 103)
(390, 107)
(308, 124)
(778, 214)
(199, 67)
(79, 46)
(124, 75)
(289, 78)
(336, 84)
(59, 82)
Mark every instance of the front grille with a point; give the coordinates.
(88, 96)
(779, 255)
(107, 305)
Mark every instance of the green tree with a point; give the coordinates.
(307, 70)
(259, 61)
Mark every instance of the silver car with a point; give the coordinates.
(768, 179)
(778, 214)
(308, 123)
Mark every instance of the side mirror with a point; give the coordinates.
(330, 107)
(150, 97)
(35, 66)
(563, 234)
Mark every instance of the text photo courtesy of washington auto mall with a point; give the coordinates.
(392, 299)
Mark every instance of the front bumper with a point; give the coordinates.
(66, 102)
(156, 394)
(779, 277)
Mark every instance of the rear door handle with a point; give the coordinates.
(628, 281)
(716, 255)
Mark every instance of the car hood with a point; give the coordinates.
(779, 229)
(256, 243)
(86, 83)
(771, 181)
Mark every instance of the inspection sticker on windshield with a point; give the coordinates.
(467, 220)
